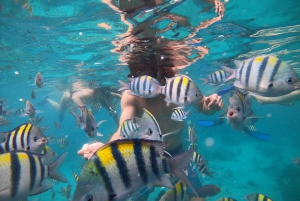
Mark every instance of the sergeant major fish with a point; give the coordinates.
(182, 91)
(179, 114)
(38, 80)
(257, 197)
(179, 193)
(216, 78)
(26, 137)
(121, 168)
(264, 75)
(129, 129)
(144, 86)
(27, 177)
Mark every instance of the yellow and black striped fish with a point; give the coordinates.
(75, 175)
(144, 86)
(265, 75)
(178, 193)
(182, 91)
(66, 191)
(257, 197)
(200, 165)
(129, 129)
(26, 137)
(124, 167)
(23, 174)
(226, 199)
(217, 77)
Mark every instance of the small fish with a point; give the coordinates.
(62, 142)
(21, 181)
(96, 106)
(182, 91)
(296, 161)
(257, 197)
(75, 175)
(2, 101)
(208, 190)
(4, 122)
(39, 80)
(30, 110)
(192, 138)
(36, 120)
(226, 199)
(112, 111)
(49, 154)
(33, 94)
(91, 127)
(252, 128)
(179, 114)
(216, 78)
(197, 159)
(204, 171)
(84, 115)
(21, 112)
(93, 84)
(26, 137)
(129, 129)
(56, 125)
(124, 167)
(179, 193)
(66, 191)
(44, 128)
(50, 139)
(264, 75)
(5, 113)
(144, 86)
(73, 109)
(149, 128)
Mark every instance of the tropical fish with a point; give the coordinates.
(50, 138)
(75, 175)
(204, 171)
(36, 120)
(84, 115)
(2, 101)
(54, 181)
(264, 75)
(73, 109)
(44, 128)
(33, 94)
(21, 112)
(5, 113)
(179, 193)
(91, 127)
(30, 110)
(96, 106)
(26, 137)
(4, 122)
(39, 80)
(208, 190)
(112, 111)
(179, 114)
(239, 110)
(49, 154)
(121, 168)
(192, 138)
(62, 142)
(149, 128)
(226, 199)
(66, 191)
(144, 86)
(257, 197)
(297, 161)
(216, 78)
(27, 177)
(182, 91)
(129, 129)
(56, 125)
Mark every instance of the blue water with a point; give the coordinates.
(65, 41)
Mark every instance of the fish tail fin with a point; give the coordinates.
(229, 71)
(205, 81)
(162, 89)
(182, 161)
(124, 86)
(55, 173)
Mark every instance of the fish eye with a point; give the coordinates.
(150, 131)
(238, 109)
(270, 85)
(197, 94)
(290, 80)
(185, 99)
(35, 139)
(149, 91)
(88, 198)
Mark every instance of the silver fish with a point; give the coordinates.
(264, 75)
(216, 78)
(26, 137)
(28, 175)
(144, 86)
(182, 91)
(122, 168)
(21, 112)
(91, 127)
(149, 128)
(33, 94)
(179, 114)
(39, 80)
(3, 112)
(192, 138)
(129, 130)
(30, 110)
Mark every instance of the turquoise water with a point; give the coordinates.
(68, 43)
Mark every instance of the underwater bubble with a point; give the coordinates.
(80, 33)
(162, 57)
(16, 73)
(268, 115)
(209, 142)
(66, 136)
(189, 122)
(21, 100)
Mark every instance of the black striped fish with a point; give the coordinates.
(24, 174)
(33, 94)
(21, 112)
(56, 125)
(44, 128)
(179, 114)
(4, 122)
(149, 128)
(4, 112)
(216, 78)
(193, 139)
(178, 193)
(257, 197)
(26, 137)
(182, 91)
(62, 142)
(144, 86)
(226, 199)
(200, 165)
(265, 75)
(66, 191)
(129, 130)
(36, 120)
(122, 168)
(75, 175)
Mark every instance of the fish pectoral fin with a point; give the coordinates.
(99, 134)
(100, 122)
(253, 116)
(44, 186)
(165, 182)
